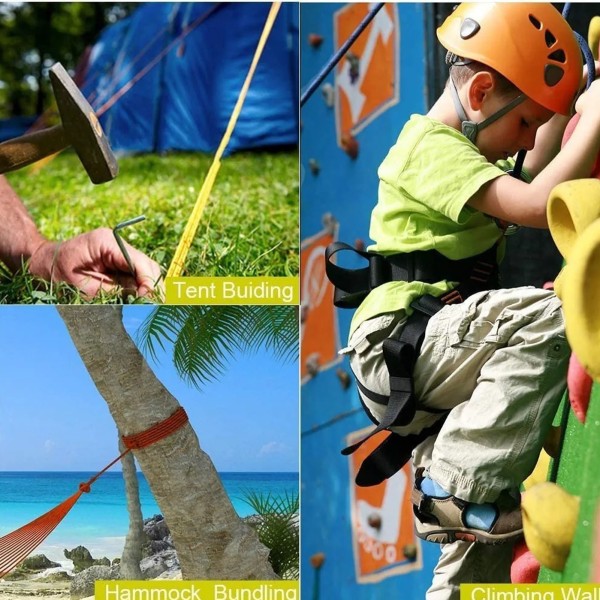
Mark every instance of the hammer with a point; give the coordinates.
(80, 128)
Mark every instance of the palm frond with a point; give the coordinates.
(162, 324)
(274, 328)
(278, 529)
(204, 338)
(206, 341)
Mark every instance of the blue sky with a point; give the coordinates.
(52, 418)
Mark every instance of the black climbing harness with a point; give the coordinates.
(401, 351)
(428, 266)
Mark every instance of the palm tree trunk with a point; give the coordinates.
(212, 542)
(134, 541)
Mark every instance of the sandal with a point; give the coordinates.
(442, 520)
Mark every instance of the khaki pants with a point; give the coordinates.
(499, 362)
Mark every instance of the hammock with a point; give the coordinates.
(16, 546)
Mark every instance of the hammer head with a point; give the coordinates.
(82, 128)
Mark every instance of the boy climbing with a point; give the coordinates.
(471, 375)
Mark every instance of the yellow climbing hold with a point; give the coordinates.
(572, 207)
(594, 36)
(558, 280)
(581, 299)
(540, 472)
(574, 220)
(549, 521)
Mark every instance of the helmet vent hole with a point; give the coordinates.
(553, 74)
(558, 56)
(550, 39)
(535, 22)
(469, 28)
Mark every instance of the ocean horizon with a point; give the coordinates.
(99, 520)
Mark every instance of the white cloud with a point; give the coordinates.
(272, 448)
(49, 446)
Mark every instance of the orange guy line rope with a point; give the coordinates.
(17, 545)
(192, 225)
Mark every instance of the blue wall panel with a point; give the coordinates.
(347, 189)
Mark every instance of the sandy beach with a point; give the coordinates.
(26, 590)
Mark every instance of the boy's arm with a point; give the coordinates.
(549, 136)
(512, 200)
(547, 144)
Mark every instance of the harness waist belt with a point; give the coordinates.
(429, 266)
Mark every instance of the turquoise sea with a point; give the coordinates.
(99, 520)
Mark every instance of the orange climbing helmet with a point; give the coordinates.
(529, 43)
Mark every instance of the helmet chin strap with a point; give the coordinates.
(469, 128)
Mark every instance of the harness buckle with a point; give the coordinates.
(452, 297)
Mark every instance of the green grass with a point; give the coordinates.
(21, 288)
(249, 227)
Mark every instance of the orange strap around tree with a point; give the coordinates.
(16, 546)
(156, 432)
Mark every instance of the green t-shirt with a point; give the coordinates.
(425, 182)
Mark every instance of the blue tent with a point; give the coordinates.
(168, 76)
(14, 127)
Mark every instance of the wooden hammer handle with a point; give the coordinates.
(22, 151)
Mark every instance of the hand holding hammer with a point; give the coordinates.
(79, 128)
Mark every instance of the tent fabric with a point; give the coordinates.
(183, 88)
(14, 127)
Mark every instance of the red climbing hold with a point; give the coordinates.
(596, 549)
(315, 40)
(579, 385)
(349, 145)
(525, 567)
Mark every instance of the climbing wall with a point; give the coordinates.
(579, 474)
(577, 468)
(357, 543)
